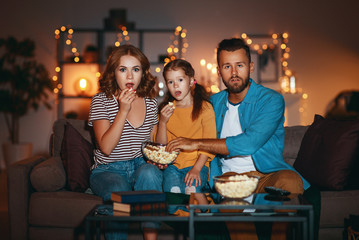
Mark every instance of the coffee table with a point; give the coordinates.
(259, 208)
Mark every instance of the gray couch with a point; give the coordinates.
(59, 214)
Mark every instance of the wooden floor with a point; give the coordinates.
(4, 218)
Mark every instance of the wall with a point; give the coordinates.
(323, 39)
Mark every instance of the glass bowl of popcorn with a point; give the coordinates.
(156, 152)
(235, 185)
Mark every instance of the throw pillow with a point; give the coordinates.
(77, 156)
(48, 176)
(328, 152)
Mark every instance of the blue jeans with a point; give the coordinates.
(130, 175)
(173, 179)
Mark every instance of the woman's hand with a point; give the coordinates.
(126, 97)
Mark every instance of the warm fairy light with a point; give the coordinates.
(175, 50)
(214, 89)
(59, 86)
(56, 90)
(244, 35)
(158, 69)
(125, 33)
(209, 66)
(68, 41)
(98, 74)
(249, 41)
(203, 62)
(63, 28)
(169, 50)
(283, 46)
(284, 63)
(287, 50)
(57, 69)
(57, 31)
(305, 96)
(256, 47)
(286, 55)
(117, 43)
(185, 45)
(274, 36)
(161, 85)
(288, 72)
(184, 51)
(285, 35)
(214, 70)
(127, 38)
(54, 78)
(167, 60)
(76, 59)
(74, 50)
(183, 35)
(178, 29)
(173, 58)
(70, 31)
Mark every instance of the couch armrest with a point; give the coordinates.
(19, 190)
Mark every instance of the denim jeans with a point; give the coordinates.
(174, 177)
(130, 175)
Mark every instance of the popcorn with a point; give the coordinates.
(171, 105)
(159, 155)
(237, 186)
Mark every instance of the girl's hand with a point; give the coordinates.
(160, 166)
(126, 97)
(166, 113)
(193, 174)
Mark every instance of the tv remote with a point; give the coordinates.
(276, 191)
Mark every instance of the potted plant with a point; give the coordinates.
(25, 84)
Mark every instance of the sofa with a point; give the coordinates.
(46, 201)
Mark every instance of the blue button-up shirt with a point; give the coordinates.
(261, 116)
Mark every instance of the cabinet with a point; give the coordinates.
(153, 42)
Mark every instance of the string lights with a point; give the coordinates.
(177, 48)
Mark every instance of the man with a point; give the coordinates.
(249, 119)
(250, 133)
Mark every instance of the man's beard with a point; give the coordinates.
(237, 88)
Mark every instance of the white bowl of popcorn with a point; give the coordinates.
(156, 152)
(235, 185)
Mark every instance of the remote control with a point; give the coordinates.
(276, 191)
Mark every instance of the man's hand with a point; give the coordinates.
(182, 144)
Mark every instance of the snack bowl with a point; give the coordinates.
(156, 152)
(235, 185)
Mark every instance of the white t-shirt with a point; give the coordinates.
(232, 127)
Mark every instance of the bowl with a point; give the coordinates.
(156, 152)
(235, 185)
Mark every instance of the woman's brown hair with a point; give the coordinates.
(108, 83)
(198, 92)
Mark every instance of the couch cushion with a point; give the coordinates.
(49, 175)
(77, 156)
(59, 129)
(292, 141)
(328, 152)
(60, 209)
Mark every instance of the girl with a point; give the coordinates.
(123, 115)
(185, 112)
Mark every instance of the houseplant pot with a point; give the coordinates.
(25, 84)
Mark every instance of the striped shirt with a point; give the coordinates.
(129, 146)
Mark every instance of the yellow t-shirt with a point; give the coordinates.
(180, 124)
